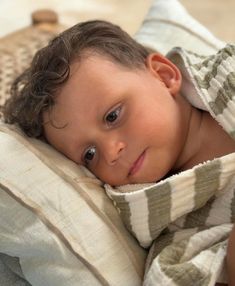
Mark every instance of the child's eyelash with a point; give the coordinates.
(89, 155)
(113, 115)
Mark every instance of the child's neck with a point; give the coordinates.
(206, 140)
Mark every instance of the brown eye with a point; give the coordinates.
(113, 115)
(89, 154)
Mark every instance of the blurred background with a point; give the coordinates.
(217, 15)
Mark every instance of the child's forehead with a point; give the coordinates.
(96, 77)
(99, 60)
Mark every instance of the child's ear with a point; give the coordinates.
(166, 71)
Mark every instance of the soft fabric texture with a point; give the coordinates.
(11, 272)
(188, 216)
(169, 25)
(57, 226)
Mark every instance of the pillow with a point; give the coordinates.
(55, 217)
(56, 224)
(168, 25)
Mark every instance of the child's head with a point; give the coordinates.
(101, 99)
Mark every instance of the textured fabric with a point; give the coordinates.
(10, 272)
(188, 216)
(168, 25)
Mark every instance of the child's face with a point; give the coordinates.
(123, 124)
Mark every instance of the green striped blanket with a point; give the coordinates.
(187, 218)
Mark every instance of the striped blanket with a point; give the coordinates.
(186, 218)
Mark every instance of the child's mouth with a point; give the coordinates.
(137, 164)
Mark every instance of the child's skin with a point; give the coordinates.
(131, 125)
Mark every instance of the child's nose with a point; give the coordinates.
(112, 151)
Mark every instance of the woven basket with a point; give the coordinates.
(18, 49)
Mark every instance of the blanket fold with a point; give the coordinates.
(186, 218)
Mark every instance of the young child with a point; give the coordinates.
(107, 103)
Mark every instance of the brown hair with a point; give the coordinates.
(34, 91)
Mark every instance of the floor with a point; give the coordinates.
(217, 15)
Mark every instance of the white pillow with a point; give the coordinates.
(168, 25)
(55, 215)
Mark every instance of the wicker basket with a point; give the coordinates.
(17, 49)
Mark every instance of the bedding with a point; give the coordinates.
(169, 25)
(187, 217)
(57, 226)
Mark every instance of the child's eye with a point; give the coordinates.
(112, 116)
(89, 154)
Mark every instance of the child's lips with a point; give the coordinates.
(137, 164)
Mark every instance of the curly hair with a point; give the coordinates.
(34, 91)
